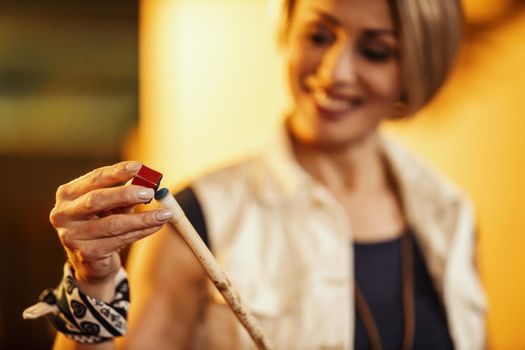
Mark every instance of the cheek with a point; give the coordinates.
(300, 63)
(384, 84)
(294, 72)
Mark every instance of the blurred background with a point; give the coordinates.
(210, 84)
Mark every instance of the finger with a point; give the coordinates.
(121, 210)
(120, 224)
(101, 248)
(107, 176)
(106, 199)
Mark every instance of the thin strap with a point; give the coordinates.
(407, 265)
(368, 319)
(408, 291)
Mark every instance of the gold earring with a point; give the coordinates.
(400, 108)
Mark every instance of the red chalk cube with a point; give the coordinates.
(147, 177)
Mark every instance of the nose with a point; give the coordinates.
(338, 66)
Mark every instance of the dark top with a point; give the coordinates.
(378, 274)
(192, 208)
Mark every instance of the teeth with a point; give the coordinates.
(330, 103)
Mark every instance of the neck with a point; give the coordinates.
(356, 167)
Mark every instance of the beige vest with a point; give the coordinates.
(286, 244)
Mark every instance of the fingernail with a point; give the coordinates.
(145, 193)
(133, 166)
(164, 215)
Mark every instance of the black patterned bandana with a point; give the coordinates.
(80, 317)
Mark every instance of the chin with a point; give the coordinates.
(332, 140)
(334, 132)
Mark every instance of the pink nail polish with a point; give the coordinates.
(164, 215)
(133, 166)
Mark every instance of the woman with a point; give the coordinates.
(330, 219)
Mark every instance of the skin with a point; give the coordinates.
(346, 50)
(94, 221)
(344, 79)
(344, 76)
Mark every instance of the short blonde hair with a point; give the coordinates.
(429, 33)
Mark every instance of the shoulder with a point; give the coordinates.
(442, 217)
(221, 195)
(227, 181)
(419, 177)
(224, 187)
(432, 202)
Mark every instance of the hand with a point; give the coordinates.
(94, 219)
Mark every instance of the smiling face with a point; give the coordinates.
(343, 68)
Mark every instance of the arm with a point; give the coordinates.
(168, 288)
(94, 219)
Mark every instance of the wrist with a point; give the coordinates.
(81, 317)
(92, 281)
(102, 288)
(99, 289)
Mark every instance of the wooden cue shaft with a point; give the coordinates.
(183, 226)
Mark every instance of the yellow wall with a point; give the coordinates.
(212, 90)
(208, 87)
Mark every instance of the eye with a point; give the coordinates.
(377, 54)
(320, 37)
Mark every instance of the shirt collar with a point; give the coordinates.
(435, 209)
(280, 177)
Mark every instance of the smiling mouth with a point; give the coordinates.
(335, 104)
